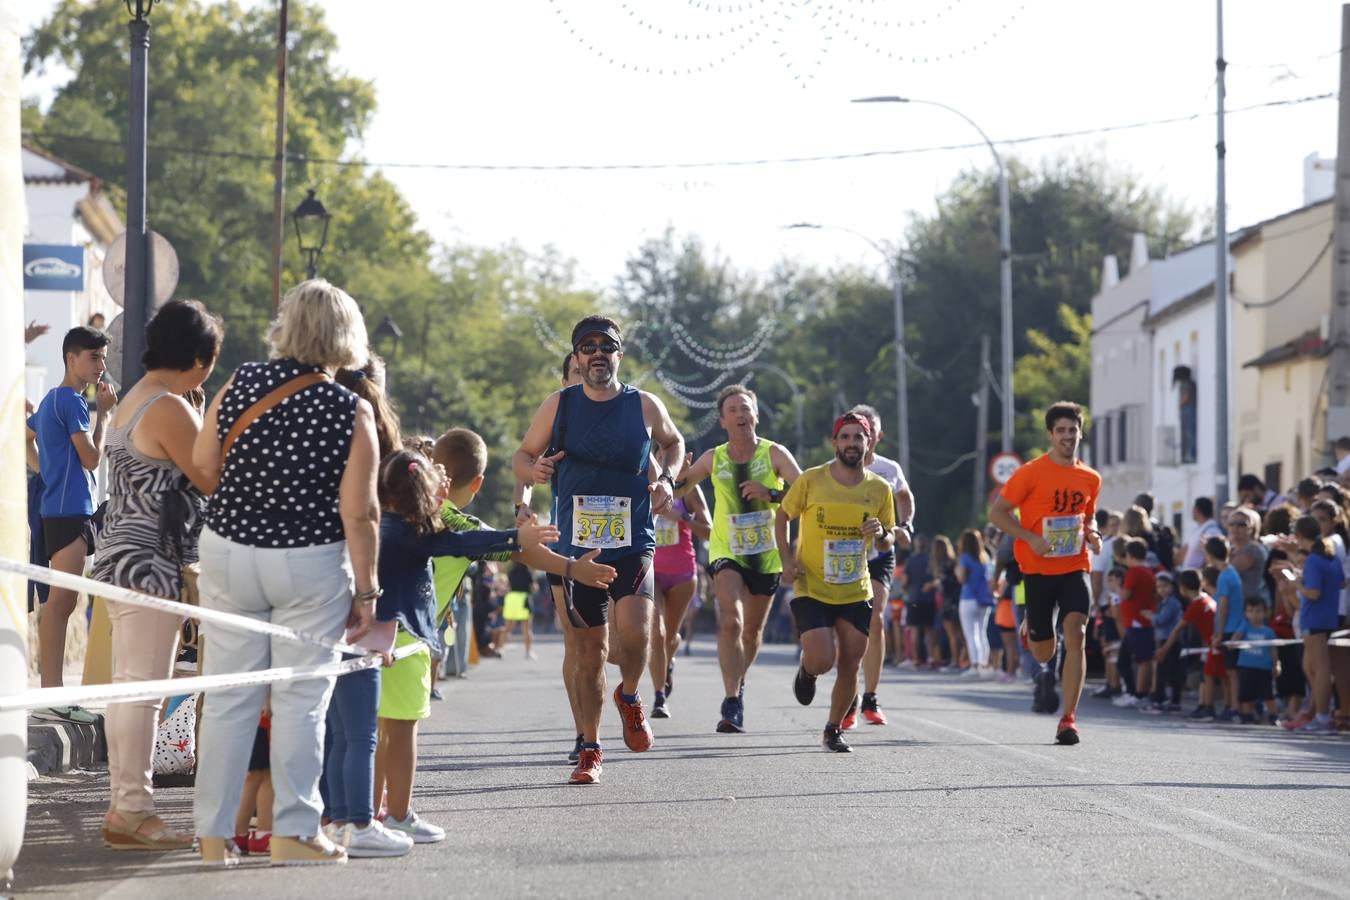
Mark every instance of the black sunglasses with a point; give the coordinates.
(606, 347)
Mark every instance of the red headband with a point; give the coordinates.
(852, 419)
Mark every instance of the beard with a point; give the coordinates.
(849, 457)
(602, 376)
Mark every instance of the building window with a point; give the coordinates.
(1122, 438)
(1106, 439)
(1272, 478)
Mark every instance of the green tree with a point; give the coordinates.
(1055, 369)
(212, 93)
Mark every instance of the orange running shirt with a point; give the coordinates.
(1054, 501)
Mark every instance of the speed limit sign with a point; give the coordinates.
(1002, 467)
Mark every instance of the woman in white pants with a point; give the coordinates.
(977, 600)
(290, 538)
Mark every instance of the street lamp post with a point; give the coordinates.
(901, 372)
(311, 231)
(1005, 258)
(138, 288)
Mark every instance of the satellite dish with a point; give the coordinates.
(162, 262)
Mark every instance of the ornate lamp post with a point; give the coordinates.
(311, 231)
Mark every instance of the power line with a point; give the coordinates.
(705, 164)
(1261, 304)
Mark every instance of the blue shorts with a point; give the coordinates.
(1142, 645)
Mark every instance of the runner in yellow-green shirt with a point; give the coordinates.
(846, 512)
(749, 475)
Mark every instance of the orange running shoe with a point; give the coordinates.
(850, 720)
(637, 734)
(588, 767)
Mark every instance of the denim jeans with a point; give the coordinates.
(349, 769)
(457, 657)
(305, 588)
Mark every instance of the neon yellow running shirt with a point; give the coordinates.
(742, 529)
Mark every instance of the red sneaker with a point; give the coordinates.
(241, 843)
(637, 734)
(1067, 733)
(850, 720)
(259, 842)
(588, 767)
(871, 711)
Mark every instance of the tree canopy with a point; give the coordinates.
(484, 328)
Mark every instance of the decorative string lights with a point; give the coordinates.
(801, 32)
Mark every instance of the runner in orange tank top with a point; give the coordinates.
(1055, 496)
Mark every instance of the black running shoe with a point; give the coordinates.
(1046, 698)
(804, 687)
(659, 708)
(833, 740)
(575, 755)
(733, 717)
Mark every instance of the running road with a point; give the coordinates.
(962, 795)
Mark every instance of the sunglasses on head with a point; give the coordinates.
(606, 347)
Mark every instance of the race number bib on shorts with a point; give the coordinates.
(667, 531)
(751, 533)
(845, 561)
(1064, 533)
(600, 522)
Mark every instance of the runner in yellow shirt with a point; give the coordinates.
(845, 512)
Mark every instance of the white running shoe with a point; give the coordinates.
(1125, 701)
(375, 840)
(420, 830)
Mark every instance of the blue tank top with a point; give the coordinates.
(608, 448)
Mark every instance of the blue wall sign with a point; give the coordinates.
(53, 267)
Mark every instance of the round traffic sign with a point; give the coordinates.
(1002, 467)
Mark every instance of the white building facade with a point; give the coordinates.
(70, 225)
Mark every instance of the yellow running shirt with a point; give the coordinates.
(831, 551)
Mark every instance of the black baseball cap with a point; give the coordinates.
(596, 325)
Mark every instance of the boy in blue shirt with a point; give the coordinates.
(68, 451)
(1256, 666)
(1170, 674)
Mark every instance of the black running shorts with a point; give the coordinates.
(759, 584)
(810, 614)
(882, 569)
(634, 579)
(1069, 593)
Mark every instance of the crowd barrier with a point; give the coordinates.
(37, 698)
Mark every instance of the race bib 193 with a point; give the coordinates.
(751, 533)
(600, 522)
(1064, 533)
(845, 561)
(667, 531)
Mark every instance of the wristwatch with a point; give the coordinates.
(667, 478)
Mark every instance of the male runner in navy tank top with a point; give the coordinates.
(603, 439)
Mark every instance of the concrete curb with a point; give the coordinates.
(62, 746)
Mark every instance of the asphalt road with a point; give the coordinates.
(962, 795)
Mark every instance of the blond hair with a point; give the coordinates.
(319, 325)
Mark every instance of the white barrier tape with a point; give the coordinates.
(136, 598)
(1282, 642)
(41, 698)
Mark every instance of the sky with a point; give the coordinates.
(594, 82)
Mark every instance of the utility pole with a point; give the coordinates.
(139, 275)
(982, 432)
(1222, 351)
(279, 161)
(1338, 400)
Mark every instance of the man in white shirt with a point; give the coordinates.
(1202, 514)
(1108, 523)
